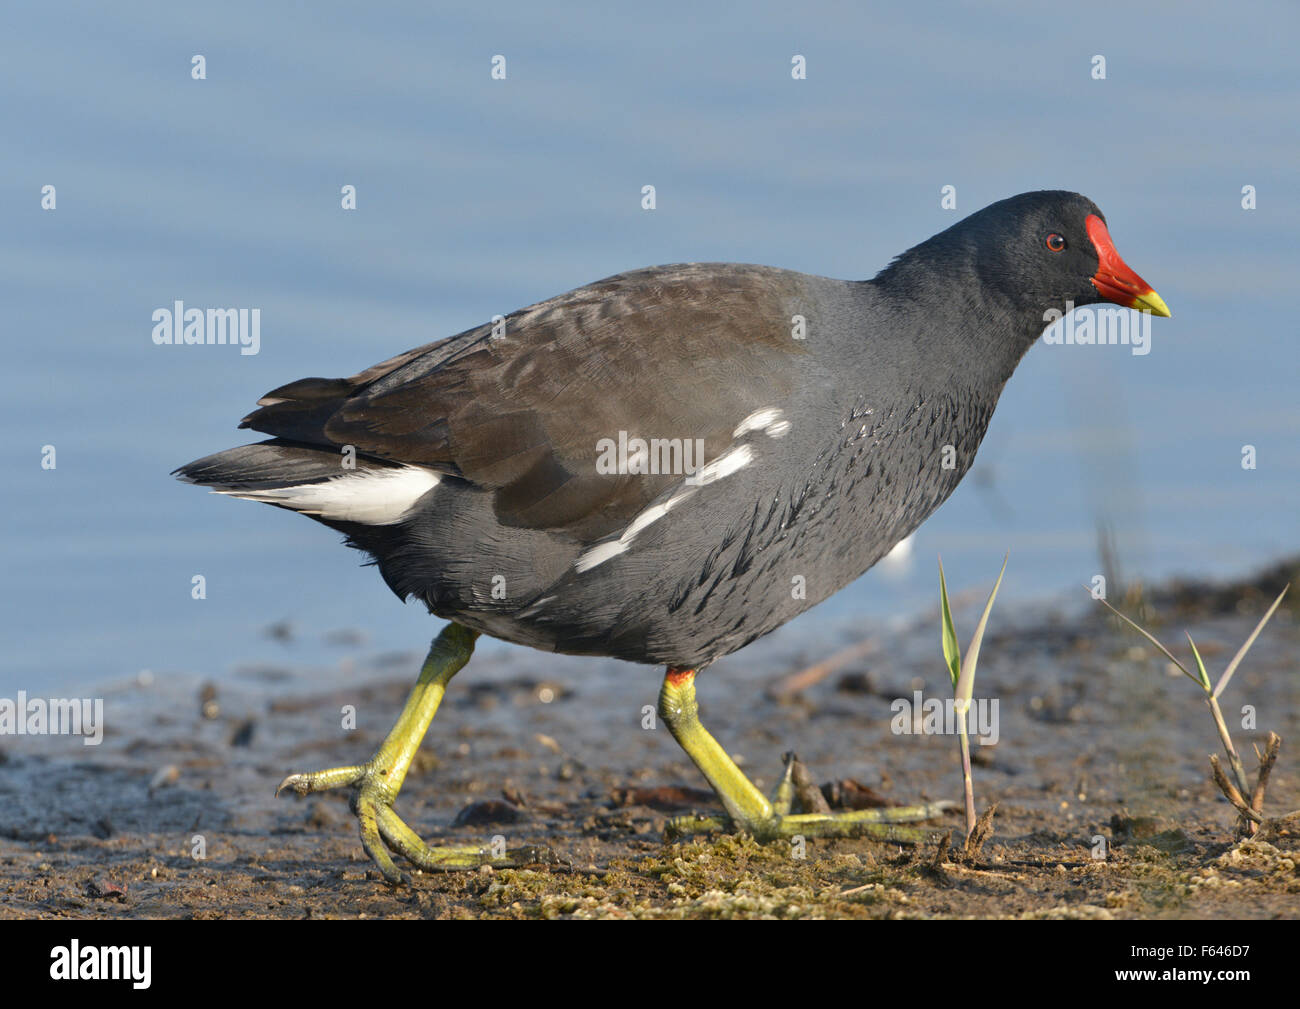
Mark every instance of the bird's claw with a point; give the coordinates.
(383, 830)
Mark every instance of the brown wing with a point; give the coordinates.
(672, 352)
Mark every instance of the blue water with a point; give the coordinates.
(478, 196)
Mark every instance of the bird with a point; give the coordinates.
(665, 465)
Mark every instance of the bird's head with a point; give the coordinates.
(1026, 255)
(1051, 248)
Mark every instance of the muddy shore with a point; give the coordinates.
(1101, 752)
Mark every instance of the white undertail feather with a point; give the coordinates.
(373, 497)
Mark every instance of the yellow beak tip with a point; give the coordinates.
(1153, 303)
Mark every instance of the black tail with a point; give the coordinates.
(270, 464)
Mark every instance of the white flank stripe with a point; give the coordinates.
(724, 465)
(654, 514)
(376, 497)
(770, 420)
(729, 462)
(599, 554)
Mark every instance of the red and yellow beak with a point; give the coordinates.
(1114, 280)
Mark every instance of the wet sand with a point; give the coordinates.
(1102, 751)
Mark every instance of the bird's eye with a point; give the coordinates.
(1055, 242)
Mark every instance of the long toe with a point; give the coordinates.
(447, 858)
(320, 781)
(886, 824)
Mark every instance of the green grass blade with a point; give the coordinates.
(966, 682)
(1200, 666)
(1150, 637)
(1241, 652)
(951, 650)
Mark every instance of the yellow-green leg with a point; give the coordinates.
(748, 809)
(380, 778)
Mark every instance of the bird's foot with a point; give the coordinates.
(750, 811)
(817, 819)
(379, 779)
(382, 829)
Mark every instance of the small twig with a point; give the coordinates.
(1230, 791)
(983, 828)
(800, 681)
(941, 855)
(1265, 769)
(806, 790)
